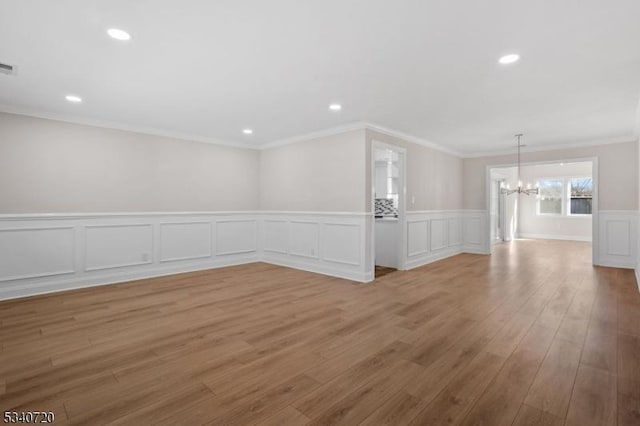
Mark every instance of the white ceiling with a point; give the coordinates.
(427, 68)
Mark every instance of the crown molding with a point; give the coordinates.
(332, 131)
(553, 147)
(410, 138)
(359, 125)
(68, 118)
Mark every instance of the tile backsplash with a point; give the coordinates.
(384, 207)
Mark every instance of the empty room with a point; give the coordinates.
(336, 212)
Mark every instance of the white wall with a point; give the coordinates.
(564, 227)
(618, 173)
(434, 178)
(324, 174)
(50, 166)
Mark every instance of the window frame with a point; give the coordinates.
(566, 197)
(562, 198)
(568, 201)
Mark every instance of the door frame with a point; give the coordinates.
(401, 240)
(501, 210)
(594, 209)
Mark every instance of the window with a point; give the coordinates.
(550, 197)
(572, 196)
(581, 190)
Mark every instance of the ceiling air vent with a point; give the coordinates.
(7, 69)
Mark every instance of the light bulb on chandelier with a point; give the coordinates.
(520, 190)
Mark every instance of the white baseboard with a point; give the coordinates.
(319, 268)
(421, 260)
(554, 237)
(475, 250)
(75, 283)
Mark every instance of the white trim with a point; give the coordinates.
(410, 138)
(637, 271)
(54, 286)
(299, 263)
(358, 125)
(433, 257)
(435, 212)
(401, 241)
(553, 237)
(344, 257)
(70, 216)
(552, 147)
(331, 131)
(619, 239)
(104, 124)
(595, 212)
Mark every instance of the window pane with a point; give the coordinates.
(550, 196)
(581, 196)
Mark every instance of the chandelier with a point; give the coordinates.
(520, 189)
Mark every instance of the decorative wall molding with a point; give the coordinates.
(46, 253)
(35, 252)
(618, 238)
(54, 252)
(324, 243)
(110, 246)
(185, 240)
(437, 234)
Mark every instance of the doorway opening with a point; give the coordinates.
(388, 207)
(565, 208)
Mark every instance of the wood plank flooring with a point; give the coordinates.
(531, 335)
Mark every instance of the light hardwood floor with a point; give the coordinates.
(531, 335)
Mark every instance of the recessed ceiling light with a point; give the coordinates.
(119, 34)
(247, 131)
(335, 107)
(509, 59)
(73, 98)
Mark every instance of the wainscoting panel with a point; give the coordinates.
(36, 252)
(116, 246)
(455, 232)
(304, 238)
(439, 230)
(328, 243)
(341, 243)
(45, 253)
(417, 237)
(276, 236)
(474, 228)
(617, 238)
(436, 234)
(185, 241)
(236, 236)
